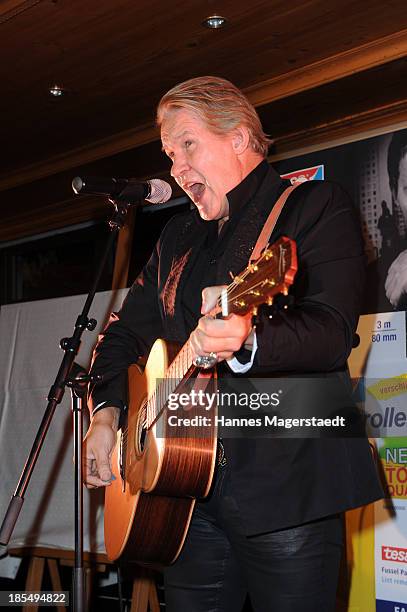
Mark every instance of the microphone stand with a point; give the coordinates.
(78, 383)
(70, 346)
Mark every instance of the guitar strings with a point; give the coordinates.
(175, 373)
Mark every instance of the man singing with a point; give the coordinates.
(271, 526)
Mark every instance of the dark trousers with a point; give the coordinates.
(282, 571)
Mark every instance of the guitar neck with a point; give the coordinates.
(272, 273)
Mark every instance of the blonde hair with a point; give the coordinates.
(220, 104)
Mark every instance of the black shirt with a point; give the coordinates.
(203, 273)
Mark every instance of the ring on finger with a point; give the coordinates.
(206, 361)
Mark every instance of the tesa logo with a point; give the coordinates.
(391, 553)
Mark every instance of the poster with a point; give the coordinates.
(374, 172)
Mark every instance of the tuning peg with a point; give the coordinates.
(232, 276)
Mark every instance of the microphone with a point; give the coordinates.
(155, 191)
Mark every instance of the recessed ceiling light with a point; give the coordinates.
(214, 22)
(56, 91)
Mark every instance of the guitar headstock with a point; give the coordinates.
(271, 274)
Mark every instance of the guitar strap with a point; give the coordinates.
(264, 236)
(261, 243)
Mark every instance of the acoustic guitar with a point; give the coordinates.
(160, 470)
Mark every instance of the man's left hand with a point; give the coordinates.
(221, 336)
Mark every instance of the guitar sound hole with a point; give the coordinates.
(141, 430)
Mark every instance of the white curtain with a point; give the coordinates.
(29, 359)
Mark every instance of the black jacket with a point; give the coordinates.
(277, 482)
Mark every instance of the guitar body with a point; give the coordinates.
(158, 472)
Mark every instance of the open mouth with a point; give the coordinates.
(195, 191)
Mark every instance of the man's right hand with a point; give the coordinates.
(396, 281)
(98, 446)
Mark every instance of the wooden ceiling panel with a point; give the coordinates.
(117, 57)
(348, 102)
